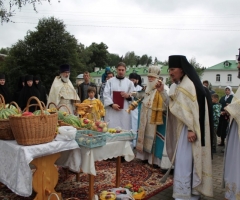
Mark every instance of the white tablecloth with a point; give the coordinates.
(15, 171)
(110, 150)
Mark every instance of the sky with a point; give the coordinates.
(208, 31)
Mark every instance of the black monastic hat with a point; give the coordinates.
(29, 78)
(2, 76)
(64, 68)
(133, 76)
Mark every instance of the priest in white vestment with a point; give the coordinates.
(62, 91)
(152, 122)
(188, 133)
(115, 116)
(232, 151)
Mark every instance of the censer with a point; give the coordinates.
(133, 105)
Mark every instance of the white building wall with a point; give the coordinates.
(211, 77)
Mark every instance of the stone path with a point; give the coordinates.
(217, 181)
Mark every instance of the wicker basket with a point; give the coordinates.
(30, 130)
(5, 129)
(58, 107)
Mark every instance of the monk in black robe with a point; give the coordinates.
(4, 90)
(28, 91)
(41, 88)
(20, 85)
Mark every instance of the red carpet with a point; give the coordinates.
(131, 172)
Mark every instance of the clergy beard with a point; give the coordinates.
(151, 85)
(64, 79)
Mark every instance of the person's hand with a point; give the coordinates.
(116, 107)
(223, 112)
(159, 86)
(125, 95)
(191, 136)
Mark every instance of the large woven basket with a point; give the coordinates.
(5, 129)
(31, 130)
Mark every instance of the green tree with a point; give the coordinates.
(144, 59)
(149, 61)
(130, 58)
(42, 51)
(6, 12)
(198, 67)
(113, 59)
(99, 57)
(5, 51)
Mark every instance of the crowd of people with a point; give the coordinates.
(176, 127)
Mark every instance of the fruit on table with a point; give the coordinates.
(5, 113)
(61, 115)
(12, 107)
(39, 112)
(113, 130)
(27, 114)
(72, 120)
(100, 126)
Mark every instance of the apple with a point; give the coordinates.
(99, 129)
(97, 123)
(27, 114)
(86, 121)
(94, 127)
(105, 129)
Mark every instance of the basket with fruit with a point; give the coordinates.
(137, 191)
(90, 139)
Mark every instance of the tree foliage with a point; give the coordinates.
(7, 11)
(198, 67)
(42, 51)
(113, 59)
(99, 56)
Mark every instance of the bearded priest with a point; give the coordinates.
(151, 131)
(232, 151)
(62, 91)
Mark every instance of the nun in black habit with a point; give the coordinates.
(4, 90)
(28, 91)
(20, 85)
(41, 88)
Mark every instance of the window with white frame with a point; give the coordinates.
(218, 77)
(229, 77)
(142, 80)
(99, 80)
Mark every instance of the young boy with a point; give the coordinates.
(98, 110)
(216, 114)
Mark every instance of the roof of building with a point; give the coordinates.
(142, 71)
(225, 65)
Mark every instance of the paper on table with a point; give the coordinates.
(118, 99)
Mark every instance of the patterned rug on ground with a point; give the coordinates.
(135, 171)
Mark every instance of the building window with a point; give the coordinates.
(142, 80)
(99, 80)
(229, 77)
(94, 80)
(218, 77)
